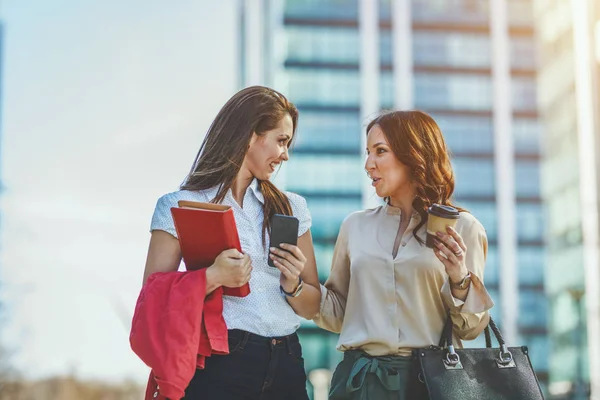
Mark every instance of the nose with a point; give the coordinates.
(285, 155)
(369, 164)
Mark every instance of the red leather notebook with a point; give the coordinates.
(204, 231)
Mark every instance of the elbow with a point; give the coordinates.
(311, 312)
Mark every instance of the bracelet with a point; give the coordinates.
(296, 292)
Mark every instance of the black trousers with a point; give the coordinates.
(256, 368)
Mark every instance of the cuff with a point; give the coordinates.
(478, 299)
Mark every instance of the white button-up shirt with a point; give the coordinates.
(264, 311)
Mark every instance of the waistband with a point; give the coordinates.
(245, 337)
(390, 370)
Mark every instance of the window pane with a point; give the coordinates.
(474, 177)
(527, 134)
(463, 11)
(530, 222)
(322, 9)
(531, 262)
(322, 44)
(527, 178)
(524, 94)
(451, 49)
(467, 134)
(520, 12)
(308, 173)
(328, 214)
(490, 276)
(385, 49)
(522, 53)
(455, 91)
(386, 90)
(533, 308)
(328, 131)
(321, 87)
(485, 212)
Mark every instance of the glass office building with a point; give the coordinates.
(437, 56)
(568, 86)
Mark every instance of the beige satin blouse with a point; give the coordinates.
(387, 306)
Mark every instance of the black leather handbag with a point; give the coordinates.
(503, 373)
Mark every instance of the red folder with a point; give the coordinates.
(204, 231)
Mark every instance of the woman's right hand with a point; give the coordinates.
(232, 268)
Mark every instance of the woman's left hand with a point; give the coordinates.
(451, 251)
(290, 261)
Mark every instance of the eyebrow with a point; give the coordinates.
(377, 144)
(285, 135)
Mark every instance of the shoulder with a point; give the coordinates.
(469, 225)
(357, 218)
(297, 202)
(295, 199)
(171, 199)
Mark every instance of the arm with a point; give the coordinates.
(335, 291)
(469, 307)
(306, 304)
(164, 255)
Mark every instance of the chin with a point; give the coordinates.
(381, 193)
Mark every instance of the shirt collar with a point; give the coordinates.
(254, 187)
(391, 210)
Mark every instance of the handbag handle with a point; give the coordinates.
(446, 340)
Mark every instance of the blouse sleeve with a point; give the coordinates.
(335, 291)
(300, 211)
(162, 219)
(470, 317)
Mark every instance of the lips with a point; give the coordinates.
(375, 181)
(273, 166)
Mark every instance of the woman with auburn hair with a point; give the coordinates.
(388, 293)
(245, 144)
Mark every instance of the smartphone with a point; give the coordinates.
(284, 229)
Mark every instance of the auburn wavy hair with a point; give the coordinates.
(417, 142)
(255, 109)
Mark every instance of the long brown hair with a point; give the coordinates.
(255, 109)
(417, 142)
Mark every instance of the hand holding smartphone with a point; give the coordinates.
(284, 229)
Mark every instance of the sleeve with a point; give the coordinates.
(300, 211)
(162, 219)
(470, 317)
(335, 291)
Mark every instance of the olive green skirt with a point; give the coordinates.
(363, 377)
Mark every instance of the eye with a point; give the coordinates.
(380, 150)
(283, 142)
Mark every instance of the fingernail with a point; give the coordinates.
(272, 248)
(272, 256)
(283, 245)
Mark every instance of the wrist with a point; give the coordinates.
(461, 283)
(213, 277)
(292, 289)
(290, 285)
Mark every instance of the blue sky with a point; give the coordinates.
(105, 105)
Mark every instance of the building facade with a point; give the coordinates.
(567, 33)
(472, 65)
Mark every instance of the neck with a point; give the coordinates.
(404, 203)
(240, 185)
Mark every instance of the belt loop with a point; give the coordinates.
(287, 345)
(244, 339)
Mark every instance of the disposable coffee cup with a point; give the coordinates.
(440, 217)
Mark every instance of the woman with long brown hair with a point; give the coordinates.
(245, 144)
(388, 293)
